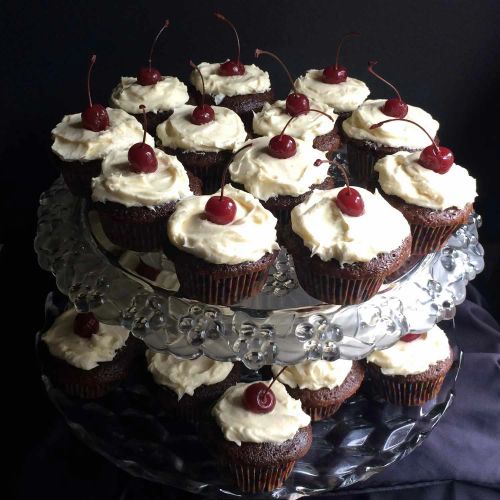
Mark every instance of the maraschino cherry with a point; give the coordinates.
(148, 75)
(283, 146)
(232, 67)
(201, 114)
(221, 209)
(410, 337)
(141, 156)
(337, 73)
(259, 398)
(349, 200)
(296, 103)
(434, 157)
(85, 325)
(95, 117)
(395, 106)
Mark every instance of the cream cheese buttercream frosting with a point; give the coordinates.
(402, 175)
(73, 142)
(83, 353)
(331, 234)
(118, 183)
(225, 132)
(250, 236)
(266, 177)
(184, 376)
(410, 358)
(343, 97)
(273, 117)
(397, 134)
(164, 95)
(253, 81)
(242, 426)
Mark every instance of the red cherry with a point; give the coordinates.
(95, 117)
(202, 114)
(220, 210)
(148, 272)
(434, 157)
(234, 66)
(350, 202)
(297, 103)
(282, 146)
(410, 337)
(149, 75)
(395, 106)
(337, 73)
(85, 325)
(259, 398)
(141, 156)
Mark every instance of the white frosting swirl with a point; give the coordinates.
(80, 352)
(402, 175)
(73, 142)
(184, 376)
(119, 184)
(247, 238)
(314, 375)
(410, 358)
(242, 426)
(225, 132)
(273, 117)
(331, 234)
(253, 81)
(266, 177)
(164, 95)
(395, 134)
(345, 96)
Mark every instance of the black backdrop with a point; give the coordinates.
(444, 55)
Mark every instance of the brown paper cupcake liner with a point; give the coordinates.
(321, 413)
(210, 176)
(426, 239)
(83, 391)
(252, 479)
(78, 176)
(361, 162)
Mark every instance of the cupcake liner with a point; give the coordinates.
(178, 409)
(318, 413)
(211, 176)
(361, 162)
(83, 391)
(252, 479)
(78, 176)
(426, 239)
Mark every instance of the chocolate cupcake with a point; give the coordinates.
(134, 205)
(435, 204)
(203, 149)
(411, 372)
(258, 451)
(78, 151)
(279, 183)
(342, 255)
(221, 262)
(312, 127)
(85, 358)
(187, 388)
(321, 386)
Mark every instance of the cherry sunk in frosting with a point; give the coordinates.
(410, 337)
(336, 73)
(95, 117)
(148, 75)
(232, 67)
(259, 398)
(141, 156)
(203, 113)
(85, 325)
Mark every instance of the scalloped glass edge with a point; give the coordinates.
(286, 335)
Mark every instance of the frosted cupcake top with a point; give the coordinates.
(165, 95)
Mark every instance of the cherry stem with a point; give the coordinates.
(92, 62)
(145, 122)
(195, 66)
(336, 164)
(222, 18)
(347, 35)
(372, 71)
(165, 25)
(274, 379)
(224, 173)
(303, 113)
(259, 52)
(377, 125)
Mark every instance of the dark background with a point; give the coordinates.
(444, 56)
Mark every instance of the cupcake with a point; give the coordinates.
(279, 183)
(344, 242)
(86, 358)
(243, 88)
(411, 372)
(221, 259)
(134, 203)
(435, 204)
(315, 128)
(188, 387)
(321, 386)
(258, 436)
(204, 146)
